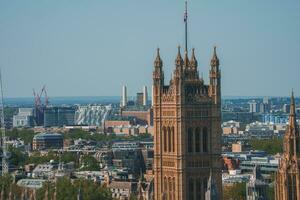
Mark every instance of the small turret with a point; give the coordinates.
(158, 75)
(158, 61)
(178, 60)
(215, 78)
(193, 62)
(215, 60)
(186, 62)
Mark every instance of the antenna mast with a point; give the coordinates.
(4, 145)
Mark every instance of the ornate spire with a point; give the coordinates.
(292, 118)
(186, 62)
(158, 61)
(215, 60)
(193, 62)
(178, 60)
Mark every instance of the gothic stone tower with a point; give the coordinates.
(288, 175)
(187, 137)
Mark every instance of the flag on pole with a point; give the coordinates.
(185, 13)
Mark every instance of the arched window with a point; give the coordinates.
(205, 140)
(190, 140)
(169, 139)
(173, 180)
(165, 138)
(165, 186)
(197, 140)
(173, 139)
(170, 188)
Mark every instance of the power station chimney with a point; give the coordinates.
(145, 96)
(124, 96)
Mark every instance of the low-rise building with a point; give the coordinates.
(24, 118)
(44, 141)
(122, 189)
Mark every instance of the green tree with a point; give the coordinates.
(68, 190)
(235, 192)
(89, 163)
(271, 146)
(17, 157)
(5, 184)
(24, 134)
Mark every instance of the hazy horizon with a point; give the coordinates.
(92, 48)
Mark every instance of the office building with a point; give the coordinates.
(253, 107)
(59, 116)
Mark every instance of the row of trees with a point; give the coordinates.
(271, 146)
(63, 189)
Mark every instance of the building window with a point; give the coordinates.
(190, 140)
(169, 139)
(191, 189)
(170, 189)
(165, 187)
(173, 185)
(173, 139)
(197, 140)
(165, 138)
(205, 140)
(198, 188)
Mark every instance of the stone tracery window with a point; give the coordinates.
(205, 140)
(173, 139)
(165, 138)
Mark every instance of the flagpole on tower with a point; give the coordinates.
(185, 22)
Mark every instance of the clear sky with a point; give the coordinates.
(92, 48)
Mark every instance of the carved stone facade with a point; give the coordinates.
(288, 175)
(187, 130)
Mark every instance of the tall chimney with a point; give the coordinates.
(124, 96)
(145, 96)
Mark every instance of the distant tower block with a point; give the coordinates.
(152, 89)
(145, 96)
(124, 96)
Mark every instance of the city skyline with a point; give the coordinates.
(79, 49)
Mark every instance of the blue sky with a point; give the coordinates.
(92, 48)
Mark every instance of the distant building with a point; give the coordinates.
(59, 116)
(263, 108)
(43, 141)
(286, 108)
(139, 99)
(92, 115)
(253, 108)
(122, 190)
(230, 127)
(237, 147)
(24, 118)
(256, 188)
